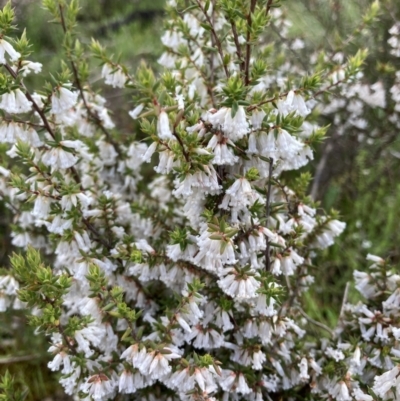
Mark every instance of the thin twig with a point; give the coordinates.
(68, 343)
(320, 170)
(43, 118)
(185, 154)
(315, 322)
(216, 38)
(324, 90)
(248, 45)
(237, 44)
(99, 238)
(29, 97)
(269, 6)
(211, 58)
(345, 295)
(341, 314)
(269, 100)
(23, 358)
(93, 116)
(267, 213)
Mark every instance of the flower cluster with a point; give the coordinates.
(184, 283)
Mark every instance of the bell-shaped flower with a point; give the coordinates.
(163, 126)
(113, 76)
(6, 48)
(62, 100)
(15, 102)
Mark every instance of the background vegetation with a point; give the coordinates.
(360, 178)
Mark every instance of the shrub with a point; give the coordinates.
(187, 282)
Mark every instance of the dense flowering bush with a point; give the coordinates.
(185, 283)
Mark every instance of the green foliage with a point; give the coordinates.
(9, 390)
(40, 288)
(359, 193)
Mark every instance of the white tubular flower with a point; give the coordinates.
(131, 354)
(57, 158)
(180, 99)
(396, 333)
(359, 395)
(113, 76)
(204, 377)
(166, 162)
(41, 208)
(5, 302)
(153, 364)
(206, 181)
(213, 252)
(126, 384)
(248, 357)
(9, 132)
(293, 103)
(59, 225)
(205, 338)
(340, 392)
(303, 365)
(237, 285)
(156, 363)
(257, 118)
(222, 154)
(32, 137)
(234, 382)
(375, 259)
(136, 111)
(91, 335)
(335, 354)
(289, 262)
(240, 195)
(332, 230)
(183, 323)
(182, 380)
(15, 102)
(163, 126)
(62, 100)
(70, 382)
(61, 358)
(67, 201)
(384, 383)
(234, 128)
(263, 307)
(146, 157)
(99, 387)
(9, 285)
(30, 66)
(6, 47)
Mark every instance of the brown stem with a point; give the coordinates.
(315, 322)
(248, 45)
(99, 237)
(237, 44)
(5, 360)
(268, 8)
(185, 154)
(282, 95)
(342, 309)
(93, 116)
(43, 118)
(320, 170)
(215, 36)
(267, 213)
(70, 347)
(329, 87)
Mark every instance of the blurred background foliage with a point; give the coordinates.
(357, 175)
